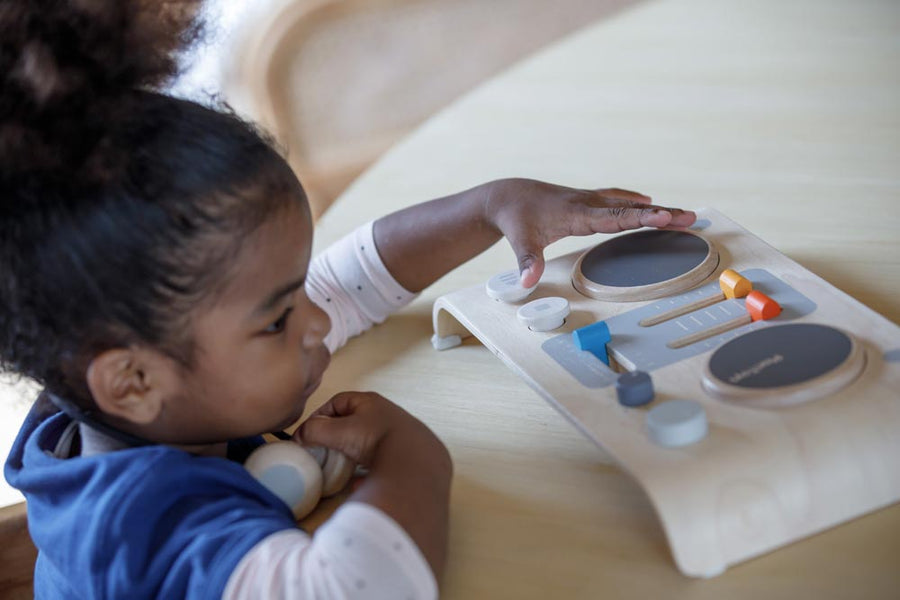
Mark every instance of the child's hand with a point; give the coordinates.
(409, 467)
(533, 214)
(356, 423)
(421, 243)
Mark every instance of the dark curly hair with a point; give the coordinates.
(121, 207)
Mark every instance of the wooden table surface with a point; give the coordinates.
(784, 116)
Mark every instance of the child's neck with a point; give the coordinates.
(96, 442)
(219, 449)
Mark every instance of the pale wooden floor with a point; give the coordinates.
(17, 554)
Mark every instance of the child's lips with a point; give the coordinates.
(319, 366)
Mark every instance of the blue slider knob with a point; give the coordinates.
(593, 338)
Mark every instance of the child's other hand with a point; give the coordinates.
(409, 468)
(356, 423)
(533, 214)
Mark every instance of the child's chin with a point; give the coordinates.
(310, 388)
(293, 417)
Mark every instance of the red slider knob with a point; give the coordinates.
(761, 307)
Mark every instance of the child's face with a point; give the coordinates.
(259, 347)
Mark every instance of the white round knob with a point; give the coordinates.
(544, 314)
(507, 287)
(337, 469)
(289, 472)
(677, 423)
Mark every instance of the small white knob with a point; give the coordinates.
(336, 472)
(289, 472)
(507, 287)
(677, 423)
(544, 314)
(337, 469)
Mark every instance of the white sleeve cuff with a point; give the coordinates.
(351, 283)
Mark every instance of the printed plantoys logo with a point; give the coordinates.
(756, 369)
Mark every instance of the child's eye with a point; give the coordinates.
(279, 325)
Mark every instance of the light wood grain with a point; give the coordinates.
(17, 554)
(780, 115)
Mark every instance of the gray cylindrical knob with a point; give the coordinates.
(677, 423)
(634, 388)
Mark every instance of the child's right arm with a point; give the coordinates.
(389, 539)
(409, 468)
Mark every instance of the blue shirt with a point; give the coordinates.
(149, 522)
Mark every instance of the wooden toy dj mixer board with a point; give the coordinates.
(759, 433)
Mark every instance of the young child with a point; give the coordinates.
(157, 280)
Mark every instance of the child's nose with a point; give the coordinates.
(318, 326)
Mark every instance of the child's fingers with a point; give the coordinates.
(324, 431)
(637, 201)
(624, 195)
(530, 275)
(619, 218)
(530, 256)
(615, 197)
(682, 218)
(351, 422)
(342, 404)
(345, 435)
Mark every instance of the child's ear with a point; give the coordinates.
(127, 383)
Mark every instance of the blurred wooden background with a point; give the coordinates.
(338, 82)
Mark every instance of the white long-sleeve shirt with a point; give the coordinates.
(350, 282)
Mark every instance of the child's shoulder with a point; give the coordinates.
(142, 479)
(172, 511)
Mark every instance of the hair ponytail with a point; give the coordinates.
(115, 199)
(67, 70)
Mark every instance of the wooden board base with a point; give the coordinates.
(764, 476)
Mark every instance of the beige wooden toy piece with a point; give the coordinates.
(708, 333)
(763, 477)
